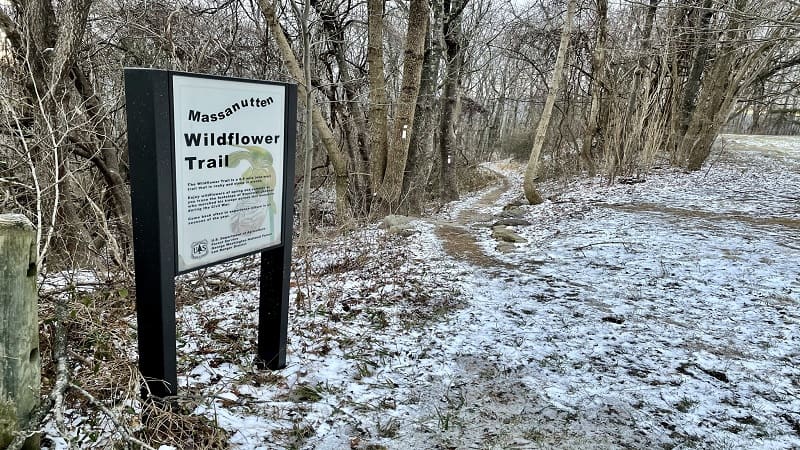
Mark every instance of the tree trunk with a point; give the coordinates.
(453, 37)
(47, 55)
(419, 152)
(392, 185)
(308, 135)
(714, 105)
(632, 131)
(354, 124)
(532, 169)
(378, 101)
(644, 56)
(598, 78)
(493, 136)
(692, 87)
(758, 108)
(108, 162)
(716, 98)
(46, 48)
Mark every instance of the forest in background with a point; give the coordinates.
(406, 96)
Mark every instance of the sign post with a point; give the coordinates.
(212, 179)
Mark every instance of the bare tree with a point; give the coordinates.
(337, 157)
(391, 187)
(420, 152)
(598, 71)
(532, 169)
(378, 107)
(304, 17)
(337, 18)
(454, 59)
(60, 111)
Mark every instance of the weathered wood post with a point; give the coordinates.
(20, 366)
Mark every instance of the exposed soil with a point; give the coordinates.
(458, 237)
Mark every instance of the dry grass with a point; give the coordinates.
(99, 327)
(177, 426)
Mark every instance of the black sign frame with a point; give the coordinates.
(150, 117)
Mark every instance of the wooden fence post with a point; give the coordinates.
(20, 364)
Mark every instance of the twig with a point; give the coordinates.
(122, 429)
(583, 247)
(53, 291)
(62, 376)
(724, 146)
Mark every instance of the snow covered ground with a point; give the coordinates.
(661, 314)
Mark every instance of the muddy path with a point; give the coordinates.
(458, 236)
(464, 236)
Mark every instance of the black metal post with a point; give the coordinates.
(147, 94)
(276, 263)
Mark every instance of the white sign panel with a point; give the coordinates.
(229, 147)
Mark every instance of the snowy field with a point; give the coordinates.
(661, 314)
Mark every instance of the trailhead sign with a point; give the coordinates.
(229, 146)
(212, 179)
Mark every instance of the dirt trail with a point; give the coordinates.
(459, 240)
(658, 315)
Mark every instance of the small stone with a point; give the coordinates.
(505, 247)
(481, 217)
(515, 203)
(512, 212)
(479, 225)
(402, 230)
(394, 220)
(503, 233)
(512, 221)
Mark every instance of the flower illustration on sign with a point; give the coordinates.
(248, 215)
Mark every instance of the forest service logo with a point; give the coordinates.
(199, 249)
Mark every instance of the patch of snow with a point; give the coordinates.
(659, 314)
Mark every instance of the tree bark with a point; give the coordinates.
(47, 49)
(378, 101)
(354, 124)
(632, 131)
(716, 97)
(692, 87)
(392, 185)
(495, 136)
(419, 152)
(308, 135)
(598, 78)
(453, 37)
(108, 161)
(758, 109)
(532, 169)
